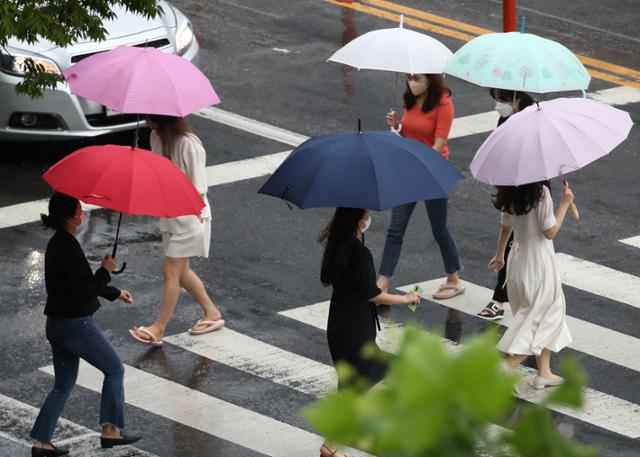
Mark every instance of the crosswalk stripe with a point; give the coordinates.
(17, 418)
(240, 170)
(260, 359)
(633, 241)
(207, 414)
(253, 126)
(600, 409)
(589, 338)
(599, 280)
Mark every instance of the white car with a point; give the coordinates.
(59, 115)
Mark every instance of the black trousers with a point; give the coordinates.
(500, 292)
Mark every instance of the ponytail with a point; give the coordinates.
(61, 208)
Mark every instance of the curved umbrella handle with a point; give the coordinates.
(120, 270)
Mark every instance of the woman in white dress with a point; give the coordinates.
(533, 278)
(182, 237)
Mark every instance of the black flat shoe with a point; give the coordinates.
(42, 452)
(107, 443)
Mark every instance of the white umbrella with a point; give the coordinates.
(397, 49)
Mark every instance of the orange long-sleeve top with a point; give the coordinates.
(425, 127)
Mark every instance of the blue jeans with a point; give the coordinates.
(72, 340)
(400, 215)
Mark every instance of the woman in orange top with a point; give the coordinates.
(427, 117)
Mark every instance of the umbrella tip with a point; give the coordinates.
(522, 22)
(359, 126)
(401, 20)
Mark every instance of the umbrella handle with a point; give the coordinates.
(120, 270)
(575, 212)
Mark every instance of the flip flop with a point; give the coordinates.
(210, 326)
(153, 341)
(458, 289)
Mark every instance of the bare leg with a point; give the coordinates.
(193, 285)
(110, 431)
(544, 364)
(40, 444)
(172, 270)
(453, 278)
(513, 361)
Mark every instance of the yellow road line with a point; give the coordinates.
(613, 78)
(602, 65)
(429, 16)
(439, 24)
(409, 21)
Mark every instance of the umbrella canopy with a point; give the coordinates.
(141, 80)
(370, 170)
(396, 49)
(126, 179)
(519, 61)
(549, 140)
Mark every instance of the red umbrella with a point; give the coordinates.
(126, 179)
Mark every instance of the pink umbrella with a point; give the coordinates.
(549, 140)
(141, 80)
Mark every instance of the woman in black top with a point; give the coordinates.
(347, 265)
(72, 298)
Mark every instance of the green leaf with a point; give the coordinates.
(62, 22)
(569, 393)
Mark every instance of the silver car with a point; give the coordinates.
(59, 115)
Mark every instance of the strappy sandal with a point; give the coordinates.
(207, 326)
(325, 451)
(491, 312)
(456, 288)
(152, 340)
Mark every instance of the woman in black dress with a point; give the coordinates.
(72, 298)
(347, 266)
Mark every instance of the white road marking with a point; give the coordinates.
(17, 418)
(633, 241)
(616, 96)
(24, 213)
(589, 338)
(207, 414)
(260, 359)
(252, 126)
(599, 280)
(600, 409)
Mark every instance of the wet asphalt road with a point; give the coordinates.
(264, 257)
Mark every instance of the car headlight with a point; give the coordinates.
(15, 64)
(184, 37)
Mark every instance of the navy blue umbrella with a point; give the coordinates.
(369, 170)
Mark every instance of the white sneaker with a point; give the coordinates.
(541, 382)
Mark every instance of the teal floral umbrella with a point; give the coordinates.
(519, 61)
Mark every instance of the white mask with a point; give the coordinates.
(417, 87)
(80, 221)
(504, 109)
(367, 224)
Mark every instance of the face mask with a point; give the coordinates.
(367, 224)
(504, 109)
(79, 221)
(417, 87)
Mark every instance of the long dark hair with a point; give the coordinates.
(518, 200)
(169, 129)
(436, 88)
(510, 95)
(338, 237)
(61, 208)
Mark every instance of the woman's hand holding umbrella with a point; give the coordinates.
(109, 263)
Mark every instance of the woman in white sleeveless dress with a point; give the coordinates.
(533, 278)
(182, 237)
